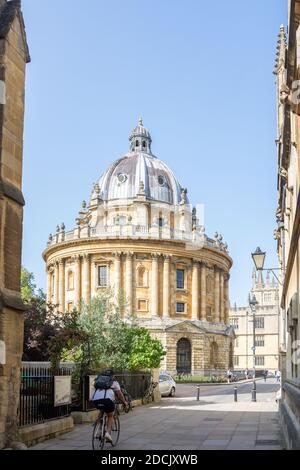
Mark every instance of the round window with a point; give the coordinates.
(121, 177)
(161, 180)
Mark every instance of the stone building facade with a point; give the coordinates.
(287, 233)
(139, 234)
(266, 327)
(13, 58)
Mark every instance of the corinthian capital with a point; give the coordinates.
(50, 268)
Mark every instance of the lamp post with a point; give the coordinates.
(253, 303)
(259, 260)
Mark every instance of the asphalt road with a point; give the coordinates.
(243, 389)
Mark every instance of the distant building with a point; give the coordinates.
(266, 327)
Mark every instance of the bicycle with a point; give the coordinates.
(148, 396)
(128, 398)
(124, 409)
(98, 439)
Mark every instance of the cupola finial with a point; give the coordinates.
(140, 138)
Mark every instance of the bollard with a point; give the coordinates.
(235, 393)
(198, 392)
(253, 394)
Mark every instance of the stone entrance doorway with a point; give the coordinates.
(184, 356)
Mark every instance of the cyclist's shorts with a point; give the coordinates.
(109, 406)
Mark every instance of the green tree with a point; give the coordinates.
(107, 332)
(112, 340)
(28, 286)
(146, 352)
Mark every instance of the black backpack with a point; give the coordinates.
(103, 381)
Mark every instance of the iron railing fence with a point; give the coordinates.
(136, 384)
(37, 395)
(37, 391)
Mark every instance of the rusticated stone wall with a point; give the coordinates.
(13, 58)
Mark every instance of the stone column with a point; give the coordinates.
(86, 278)
(154, 286)
(195, 291)
(49, 282)
(77, 279)
(226, 288)
(203, 292)
(61, 285)
(166, 287)
(94, 278)
(117, 274)
(217, 295)
(56, 284)
(129, 282)
(222, 310)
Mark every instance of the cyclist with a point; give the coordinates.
(106, 398)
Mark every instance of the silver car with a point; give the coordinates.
(167, 385)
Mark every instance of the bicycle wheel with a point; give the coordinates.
(98, 435)
(115, 431)
(146, 398)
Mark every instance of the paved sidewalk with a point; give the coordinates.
(214, 422)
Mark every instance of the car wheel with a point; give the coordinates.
(172, 392)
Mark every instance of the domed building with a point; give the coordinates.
(139, 234)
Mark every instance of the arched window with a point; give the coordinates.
(142, 276)
(144, 144)
(136, 143)
(70, 280)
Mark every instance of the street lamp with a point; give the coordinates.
(253, 303)
(259, 260)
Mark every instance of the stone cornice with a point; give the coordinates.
(176, 248)
(11, 300)
(12, 192)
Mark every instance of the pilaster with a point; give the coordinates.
(154, 286)
(166, 287)
(86, 278)
(61, 285)
(195, 290)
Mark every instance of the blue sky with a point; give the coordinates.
(200, 75)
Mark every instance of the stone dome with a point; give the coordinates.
(140, 172)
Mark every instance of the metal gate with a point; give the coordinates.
(184, 356)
